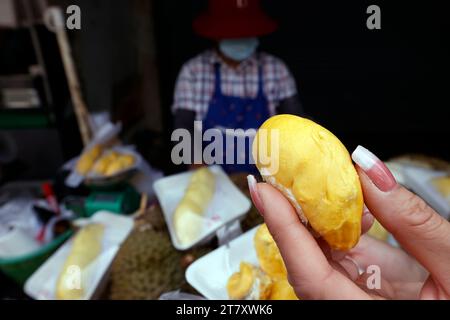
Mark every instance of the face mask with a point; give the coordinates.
(238, 49)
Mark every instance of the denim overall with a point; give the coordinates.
(228, 112)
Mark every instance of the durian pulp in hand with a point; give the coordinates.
(249, 283)
(269, 256)
(86, 247)
(189, 215)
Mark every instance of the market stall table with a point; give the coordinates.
(148, 265)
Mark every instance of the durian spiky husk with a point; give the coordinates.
(147, 265)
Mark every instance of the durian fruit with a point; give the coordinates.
(269, 256)
(101, 166)
(147, 265)
(113, 168)
(313, 169)
(112, 163)
(249, 283)
(377, 231)
(126, 160)
(188, 218)
(282, 290)
(272, 264)
(442, 185)
(86, 247)
(88, 159)
(120, 163)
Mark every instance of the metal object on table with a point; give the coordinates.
(108, 181)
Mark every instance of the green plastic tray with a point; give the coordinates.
(21, 268)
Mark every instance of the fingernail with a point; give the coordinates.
(254, 193)
(360, 270)
(337, 255)
(375, 169)
(366, 213)
(367, 218)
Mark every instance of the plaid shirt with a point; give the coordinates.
(195, 84)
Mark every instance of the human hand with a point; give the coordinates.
(317, 273)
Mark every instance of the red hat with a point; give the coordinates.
(229, 19)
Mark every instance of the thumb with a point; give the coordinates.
(417, 227)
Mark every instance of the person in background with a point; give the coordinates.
(233, 86)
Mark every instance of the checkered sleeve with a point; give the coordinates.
(185, 90)
(287, 86)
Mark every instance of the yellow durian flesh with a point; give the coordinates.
(113, 163)
(188, 217)
(377, 231)
(442, 184)
(126, 160)
(269, 256)
(188, 224)
(249, 283)
(88, 159)
(86, 247)
(282, 290)
(240, 283)
(113, 168)
(101, 166)
(316, 174)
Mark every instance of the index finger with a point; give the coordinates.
(309, 271)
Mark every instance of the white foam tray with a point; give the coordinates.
(209, 274)
(228, 204)
(419, 180)
(42, 284)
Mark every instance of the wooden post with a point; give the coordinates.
(54, 20)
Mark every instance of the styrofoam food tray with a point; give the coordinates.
(209, 274)
(228, 204)
(419, 180)
(42, 284)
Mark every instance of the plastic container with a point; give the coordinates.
(16, 243)
(420, 181)
(228, 205)
(209, 274)
(21, 268)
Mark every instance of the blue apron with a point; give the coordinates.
(228, 112)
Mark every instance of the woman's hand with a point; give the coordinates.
(317, 273)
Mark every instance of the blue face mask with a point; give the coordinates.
(238, 49)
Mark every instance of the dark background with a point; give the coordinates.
(386, 89)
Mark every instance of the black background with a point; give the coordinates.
(386, 89)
